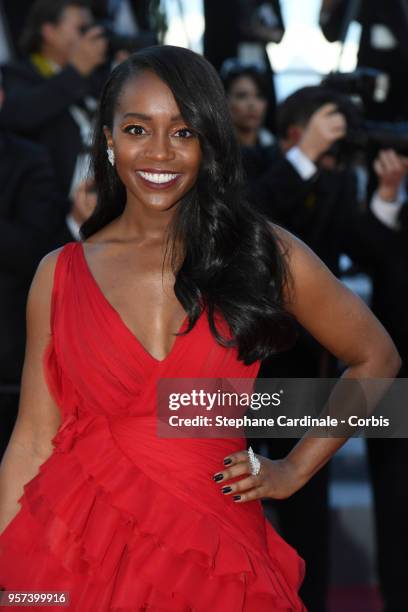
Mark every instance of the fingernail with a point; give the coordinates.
(226, 489)
(227, 461)
(218, 477)
(236, 497)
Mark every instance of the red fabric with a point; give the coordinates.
(120, 518)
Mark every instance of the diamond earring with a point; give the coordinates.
(111, 155)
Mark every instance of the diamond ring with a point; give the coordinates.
(253, 462)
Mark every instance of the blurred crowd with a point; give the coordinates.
(329, 163)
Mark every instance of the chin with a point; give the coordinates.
(161, 204)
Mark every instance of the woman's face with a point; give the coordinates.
(157, 156)
(247, 104)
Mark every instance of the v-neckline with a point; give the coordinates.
(119, 317)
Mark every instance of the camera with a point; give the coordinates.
(350, 91)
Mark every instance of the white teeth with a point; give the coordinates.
(157, 178)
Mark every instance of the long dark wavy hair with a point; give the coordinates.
(231, 262)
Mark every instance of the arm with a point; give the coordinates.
(332, 14)
(263, 23)
(386, 203)
(341, 322)
(370, 236)
(28, 106)
(38, 415)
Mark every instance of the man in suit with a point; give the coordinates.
(51, 94)
(290, 185)
(383, 46)
(31, 212)
(388, 458)
(300, 186)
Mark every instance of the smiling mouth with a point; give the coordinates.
(158, 179)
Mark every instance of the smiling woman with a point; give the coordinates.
(112, 514)
(160, 138)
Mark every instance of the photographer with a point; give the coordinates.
(295, 189)
(383, 46)
(305, 187)
(388, 458)
(306, 183)
(51, 94)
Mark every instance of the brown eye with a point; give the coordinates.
(185, 133)
(135, 130)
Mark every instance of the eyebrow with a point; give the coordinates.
(148, 117)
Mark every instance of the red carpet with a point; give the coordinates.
(355, 599)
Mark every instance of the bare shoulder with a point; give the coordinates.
(305, 268)
(291, 246)
(38, 415)
(40, 293)
(48, 262)
(44, 276)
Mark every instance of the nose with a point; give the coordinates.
(159, 147)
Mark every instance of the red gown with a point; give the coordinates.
(118, 517)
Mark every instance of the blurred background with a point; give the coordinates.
(318, 97)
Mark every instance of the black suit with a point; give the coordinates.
(30, 212)
(38, 108)
(317, 211)
(388, 458)
(323, 213)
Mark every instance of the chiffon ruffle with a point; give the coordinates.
(112, 541)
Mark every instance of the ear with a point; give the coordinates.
(108, 136)
(47, 32)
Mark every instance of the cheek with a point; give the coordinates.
(68, 39)
(196, 157)
(236, 110)
(126, 151)
(262, 106)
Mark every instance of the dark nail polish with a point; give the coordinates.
(227, 461)
(236, 497)
(218, 477)
(226, 489)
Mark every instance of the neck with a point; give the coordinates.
(144, 225)
(53, 56)
(247, 138)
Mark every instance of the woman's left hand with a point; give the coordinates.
(276, 479)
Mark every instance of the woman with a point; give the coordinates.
(246, 91)
(117, 516)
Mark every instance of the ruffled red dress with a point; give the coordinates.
(118, 517)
